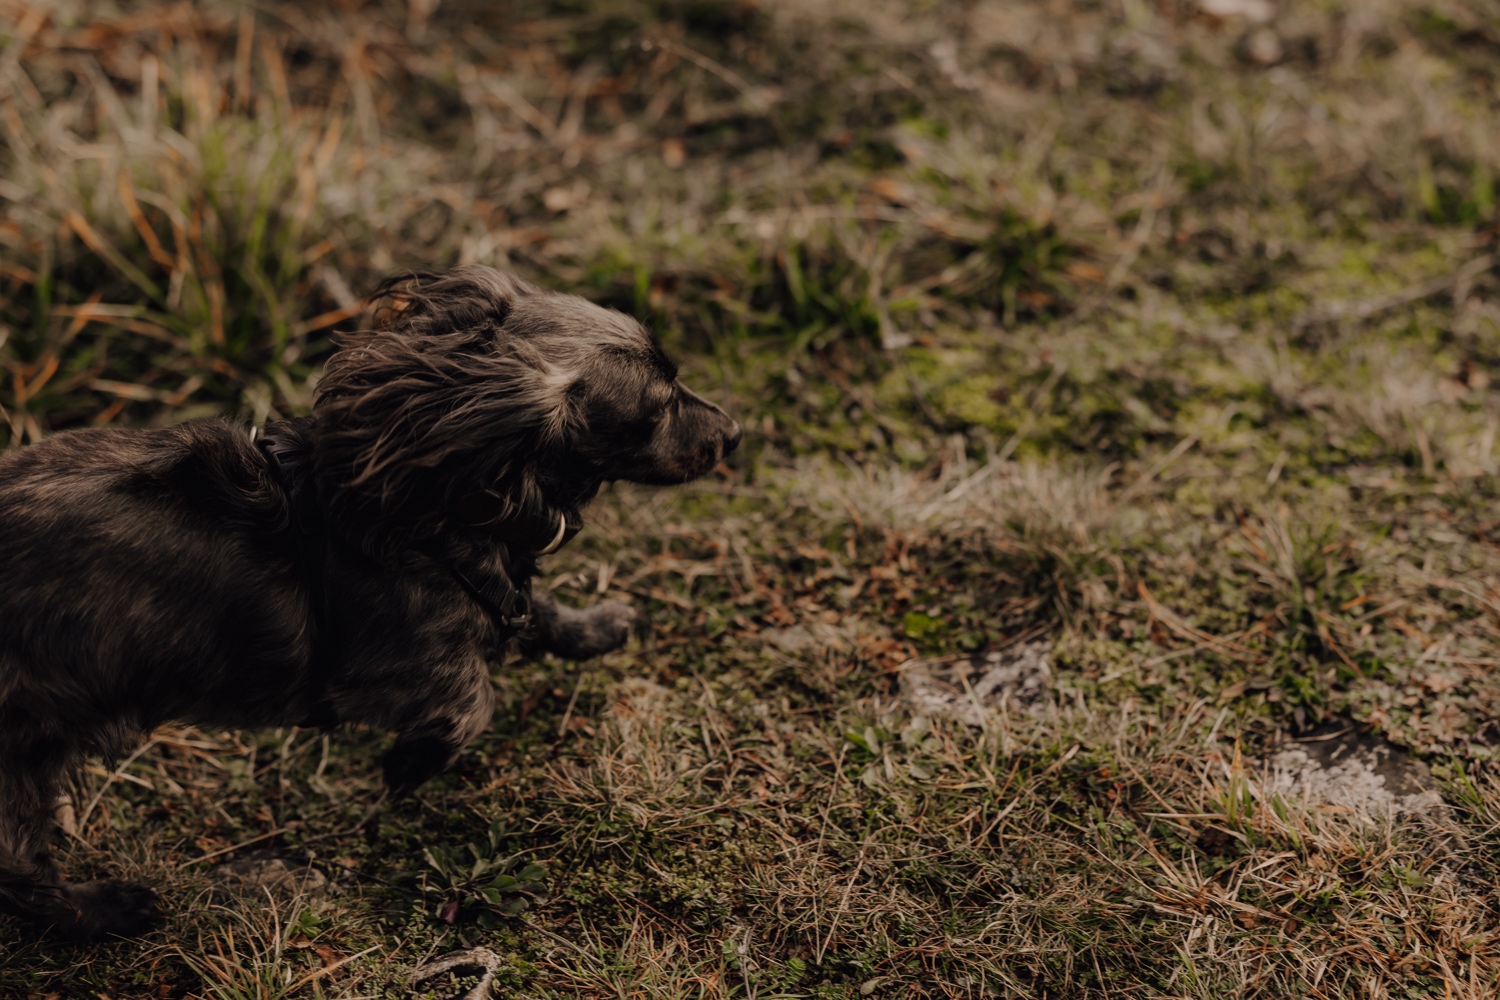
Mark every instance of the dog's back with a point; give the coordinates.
(122, 548)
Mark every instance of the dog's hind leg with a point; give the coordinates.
(29, 882)
(576, 634)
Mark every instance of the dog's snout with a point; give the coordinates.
(733, 438)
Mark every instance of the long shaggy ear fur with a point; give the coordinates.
(437, 404)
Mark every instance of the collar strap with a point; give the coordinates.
(285, 445)
(505, 604)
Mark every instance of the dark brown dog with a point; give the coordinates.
(363, 564)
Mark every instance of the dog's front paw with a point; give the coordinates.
(598, 630)
(611, 622)
(409, 763)
(104, 908)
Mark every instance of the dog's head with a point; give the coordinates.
(482, 399)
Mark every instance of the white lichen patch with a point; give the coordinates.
(271, 873)
(969, 687)
(808, 637)
(1359, 773)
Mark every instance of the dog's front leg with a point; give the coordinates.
(415, 758)
(461, 709)
(576, 634)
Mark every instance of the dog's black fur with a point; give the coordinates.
(345, 569)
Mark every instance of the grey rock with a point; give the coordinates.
(810, 637)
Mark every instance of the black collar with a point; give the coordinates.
(287, 447)
(288, 451)
(507, 605)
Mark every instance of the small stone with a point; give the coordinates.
(479, 961)
(810, 637)
(1254, 11)
(1262, 47)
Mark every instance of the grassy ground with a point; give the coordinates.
(1163, 335)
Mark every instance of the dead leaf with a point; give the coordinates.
(894, 191)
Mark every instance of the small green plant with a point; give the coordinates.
(486, 883)
(926, 630)
(1026, 260)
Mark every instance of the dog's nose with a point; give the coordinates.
(732, 439)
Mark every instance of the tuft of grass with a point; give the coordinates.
(167, 250)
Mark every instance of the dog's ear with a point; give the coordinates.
(472, 301)
(436, 406)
